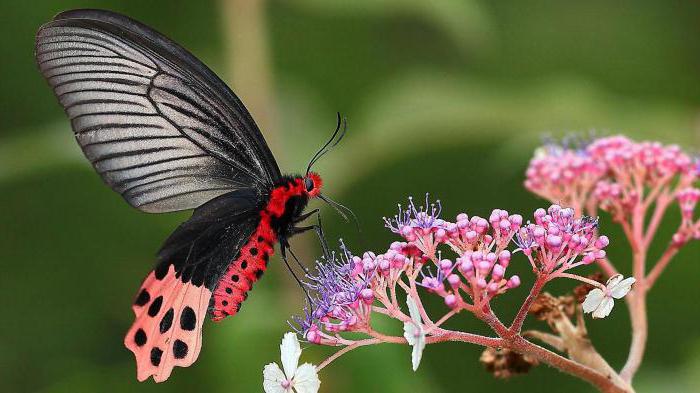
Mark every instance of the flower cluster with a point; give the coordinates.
(563, 174)
(558, 240)
(345, 287)
(620, 176)
(611, 172)
(690, 227)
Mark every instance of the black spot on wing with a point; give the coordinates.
(156, 354)
(188, 319)
(179, 349)
(143, 298)
(154, 308)
(140, 337)
(167, 321)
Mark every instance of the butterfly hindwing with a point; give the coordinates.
(159, 127)
(175, 298)
(167, 331)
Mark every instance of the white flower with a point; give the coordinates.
(414, 334)
(600, 302)
(303, 379)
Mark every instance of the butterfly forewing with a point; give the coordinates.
(158, 126)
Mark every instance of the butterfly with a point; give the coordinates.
(166, 133)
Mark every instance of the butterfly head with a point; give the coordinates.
(312, 184)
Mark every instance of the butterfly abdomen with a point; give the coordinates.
(244, 271)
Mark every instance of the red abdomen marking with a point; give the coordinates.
(242, 273)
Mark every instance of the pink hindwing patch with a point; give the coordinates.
(167, 331)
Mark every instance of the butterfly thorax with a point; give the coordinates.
(286, 202)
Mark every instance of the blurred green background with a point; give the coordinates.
(449, 97)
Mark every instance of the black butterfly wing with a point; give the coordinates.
(158, 125)
(202, 247)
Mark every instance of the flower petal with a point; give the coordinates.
(273, 378)
(306, 379)
(612, 281)
(604, 309)
(593, 300)
(413, 332)
(621, 289)
(413, 310)
(417, 352)
(409, 332)
(290, 350)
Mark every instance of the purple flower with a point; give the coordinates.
(335, 289)
(425, 218)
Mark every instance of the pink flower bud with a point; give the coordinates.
(492, 287)
(588, 258)
(538, 232)
(440, 234)
(484, 267)
(491, 257)
(498, 272)
(481, 283)
(462, 217)
(516, 220)
(466, 267)
(513, 282)
(554, 241)
(504, 257)
(313, 335)
(539, 213)
(678, 240)
(368, 264)
(451, 300)
(445, 264)
(600, 254)
(367, 295)
(602, 242)
(384, 264)
(453, 279)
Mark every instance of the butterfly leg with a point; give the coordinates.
(284, 245)
(305, 216)
(318, 228)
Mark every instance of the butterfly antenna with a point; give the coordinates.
(340, 129)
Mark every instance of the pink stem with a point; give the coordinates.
(578, 278)
(666, 257)
(638, 316)
(345, 350)
(519, 319)
(659, 211)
